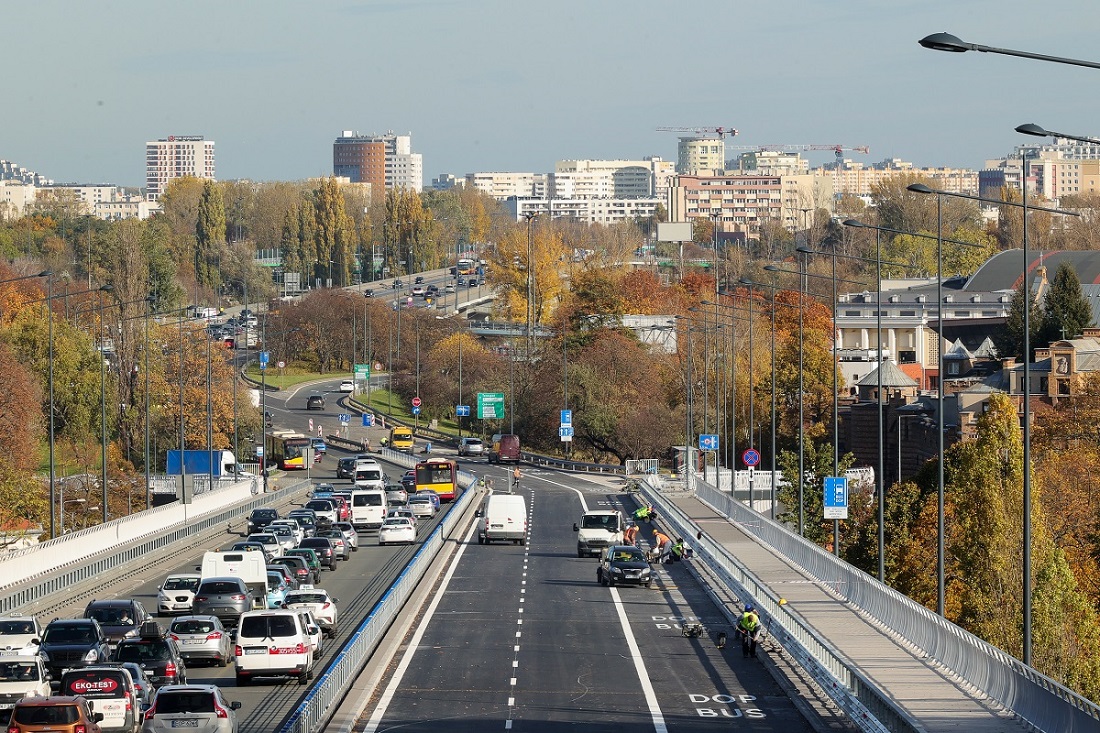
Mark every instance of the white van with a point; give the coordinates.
(368, 508)
(273, 644)
(369, 476)
(251, 567)
(502, 517)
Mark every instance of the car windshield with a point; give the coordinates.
(51, 714)
(18, 672)
(397, 522)
(111, 616)
(306, 598)
(219, 588)
(185, 701)
(69, 635)
(181, 584)
(143, 651)
(192, 626)
(630, 555)
(605, 521)
(16, 627)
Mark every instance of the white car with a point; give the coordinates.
(421, 507)
(397, 529)
(295, 528)
(177, 594)
(19, 636)
(350, 535)
(271, 543)
(347, 385)
(318, 602)
(403, 511)
(285, 535)
(313, 630)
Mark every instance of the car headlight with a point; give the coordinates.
(617, 571)
(645, 573)
(92, 655)
(44, 655)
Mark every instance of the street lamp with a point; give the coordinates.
(1033, 129)
(530, 216)
(954, 44)
(103, 399)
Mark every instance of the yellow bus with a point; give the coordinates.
(401, 438)
(287, 450)
(439, 475)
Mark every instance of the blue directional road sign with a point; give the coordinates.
(345, 419)
(368, 420)
(462, 410)
(565, 432)
(566, 418)
(836, 497)
(264, 358)
(708, 442)
(416, 410)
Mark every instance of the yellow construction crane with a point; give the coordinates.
(719, 131)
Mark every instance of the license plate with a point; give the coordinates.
(255, 651)
(186, 723)
(193, 641)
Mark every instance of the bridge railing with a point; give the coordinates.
(1034, 697)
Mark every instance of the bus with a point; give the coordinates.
(467, 267)
(286, 449)
(439, 475)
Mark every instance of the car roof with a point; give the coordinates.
(52, 700)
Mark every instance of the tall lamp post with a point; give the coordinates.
(954, 44)
(103, 399)
(530, 216)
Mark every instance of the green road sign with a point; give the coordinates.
(362, 371)
(490, 405)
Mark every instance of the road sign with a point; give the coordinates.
(259, 451)
(416, 401)
(416, 410)
(490, 405)
(565, 432)
(462, 410)
(566, 418)
(751, 457)
(708, 442)
(264, 356)
(368, 420)
(362, 371)
(345, 419)
(836, 497)
(281, 364)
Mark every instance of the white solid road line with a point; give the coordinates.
(639, 666)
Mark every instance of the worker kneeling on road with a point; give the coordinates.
(749, 628)
(630, 536)
(662, 544)
(644, 513)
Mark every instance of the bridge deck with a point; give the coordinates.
(925, 690)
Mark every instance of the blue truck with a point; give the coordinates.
(199, 461)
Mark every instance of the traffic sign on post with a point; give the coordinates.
(490, 405)
(708, 442)
(566, 418)
(264, 357)
(565, 432)
(362, 371)
(462, 410)
(345, 419)
(836, 497)
(751, 457)
(416, 410)
(416, 402)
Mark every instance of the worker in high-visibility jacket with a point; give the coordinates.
(749, 628)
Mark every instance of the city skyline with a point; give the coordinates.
(486, 85)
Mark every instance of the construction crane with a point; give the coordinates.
(719, 131)
(838, 149)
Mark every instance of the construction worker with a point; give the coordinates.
(644, 513)
(749, 628)
(676, 552)
(630, 536)
(516, 477)
(661, 545)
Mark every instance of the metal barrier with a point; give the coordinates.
(1034, 697)
(860, 699)
(315, 709)
(565, 465)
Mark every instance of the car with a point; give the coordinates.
(350, 535)
(72, 643)
(68, 714)
(198, 707)
(19, 635)
(313, 630)
(339, 543)
(418, 291)
(473, 282)
(432, 290)
(143, 686)
(251, 546)
(449, 288)
(347, 386)
(260, 518)
(315, 402)
(320, 603)
(202, 639)
(313, 562)
(368, 293)
(119, 618)
(397, 284)
(285, 535)
(432, 497)
(461, 280)
(19, 677)
(471, 447)
(418, 279)
(421, 506)
(157, 653)
(306, 519)
(223, 596)
(111, 692)
(343, 506)
(325, 509)
(299, 570)
(397, 529)
(345, 468)
(408, 480)
(176, 593)
(319, 446)
(402, 511)
(396, 495)
(326, 553)
(291, 524)
(271, 544)
(277, 586)
(624, 565)
(273, 643)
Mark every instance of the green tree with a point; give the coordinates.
(1066, 310)
(818, 463)
(333, 233)
(1009, 338)
(209, 234)
(918, 253)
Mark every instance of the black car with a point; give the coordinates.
(418, 279)
(298, 568)
(315, 402)
(260, 518)
(345, 468)
(326, 553)
(249, 546)
(73, 643)
(306, 519)
(119, 618)
(624, 564)
(157, 653)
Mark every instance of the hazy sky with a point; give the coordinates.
(516, 85)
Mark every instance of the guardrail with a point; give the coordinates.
(1031, 695)
(317, 707)
(567, 465)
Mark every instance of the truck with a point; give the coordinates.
(597, 530)
(200, 461)
(505, 449)
(401, 438)
(249, 566)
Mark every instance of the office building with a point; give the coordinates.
(176, 156)
(386, 161)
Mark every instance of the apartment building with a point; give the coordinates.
(858, 179)
(589, 210)
(386, 161)
(700, 155)
(645, 178)
(505, 185)
(176, 156)
(743, 203)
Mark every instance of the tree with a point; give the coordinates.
(918, 253)
(209, 234)
(333, 233)
(1009, 338)
(907, 211)
(1066, 310)
(817, 464)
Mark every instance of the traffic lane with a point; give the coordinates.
(575, 662)
(458, 675)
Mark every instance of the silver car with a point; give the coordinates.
(350, 535)
(225, 597)
(201, 708)
(284, 534)
(202, 637)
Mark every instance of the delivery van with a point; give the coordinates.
(368, 508)
(401, 438)
(502, 517)
(505, 449)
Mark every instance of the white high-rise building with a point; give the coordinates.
(176, 156)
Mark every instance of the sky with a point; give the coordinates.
(514, 85)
